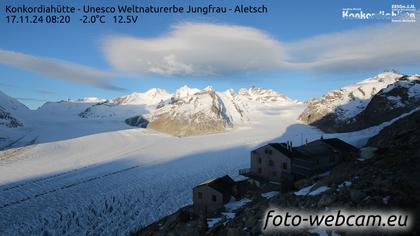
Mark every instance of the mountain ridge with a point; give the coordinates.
(363, 104)
(11, 111)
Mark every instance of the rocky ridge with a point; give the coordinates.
(365, 104)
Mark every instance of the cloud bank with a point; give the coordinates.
(216, 49)
(58, 69)
(204, 49)
(367, 48)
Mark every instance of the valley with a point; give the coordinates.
(77, 167)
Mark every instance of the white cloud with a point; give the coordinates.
(207, 49)
(58, 69)
(196, 49)
(366, 48)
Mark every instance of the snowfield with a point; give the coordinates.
(101, 176)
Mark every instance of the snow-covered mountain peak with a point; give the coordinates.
(201, 113)
(11, 104)
(262, 95)
(185, 91)
(389, 74)
(150, 97)
(350, 100)
(386, 77)
(208, 111)
(209, 89)
(91, 100)
(156, 92)
(409, 83)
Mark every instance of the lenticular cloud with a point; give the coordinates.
(196, 49)
(216, 49)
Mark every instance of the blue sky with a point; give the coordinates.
(301, 48)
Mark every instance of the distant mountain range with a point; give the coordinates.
(187, 111)
(192, 111)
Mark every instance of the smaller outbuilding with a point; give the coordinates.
(211, 195)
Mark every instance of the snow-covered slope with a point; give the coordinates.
(11, 111)
(185, 91)
(152, 96)
(201, 113)
(126, 106)
(340, 106)
(262, 95)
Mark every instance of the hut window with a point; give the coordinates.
(270, 163)
(214, 198)
(259, 171)
(284, 166)
(259, 160)
(200, 195)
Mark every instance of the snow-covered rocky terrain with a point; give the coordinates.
(11, 111)
(76, 167)
(345, 109)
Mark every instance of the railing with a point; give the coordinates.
(244, 171)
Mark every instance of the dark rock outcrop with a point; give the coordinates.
(138, 121)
